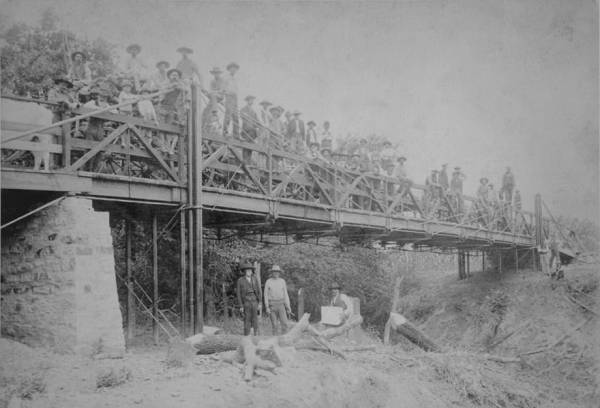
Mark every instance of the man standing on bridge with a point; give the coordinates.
(508, 185)
(443, 178)
(249, 296)
(231, 102)
(456, 188)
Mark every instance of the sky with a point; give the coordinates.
(481, 84)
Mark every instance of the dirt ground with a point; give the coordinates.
(485, 315)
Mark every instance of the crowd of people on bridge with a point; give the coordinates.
(266, 124)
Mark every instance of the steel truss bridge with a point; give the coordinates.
(225, 183)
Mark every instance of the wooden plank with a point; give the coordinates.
(10, 128)
(25, 179)
(131, 120)
(33, 146)
(130, 300)
(155, 277)
(97, 148)
(155, 154)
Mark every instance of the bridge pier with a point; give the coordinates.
(59, 286)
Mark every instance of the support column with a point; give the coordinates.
(196, 110)
(468, 271)
(516, 259)
(155, 277)
(182, 270)
(130, 299)
(190, 219)
(482, 261)
(499, 261)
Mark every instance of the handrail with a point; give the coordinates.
(87, 115)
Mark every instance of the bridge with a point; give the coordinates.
(217, 182)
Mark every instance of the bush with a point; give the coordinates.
(111, 377)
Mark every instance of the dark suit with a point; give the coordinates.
(249, 295)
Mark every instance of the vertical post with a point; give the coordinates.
(130, 300)
(66, 145)
(270, 169)
(468, 264)
(482, 261)
(197, 168)
(181, 157)
(500, 261)
(300, 303)
(190, 219)
(182, 269)
(259, 278)
(127, 141)
(155, 276)
(516, 259)
(460, 264)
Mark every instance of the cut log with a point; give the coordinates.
(353, 321)
(209, 344)
(395, 300)
(252, 360)
(402, 326)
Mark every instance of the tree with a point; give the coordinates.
(32, 56)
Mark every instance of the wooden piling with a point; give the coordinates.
(130, 299)
(155, 277)
(182, 271)
(197, 206)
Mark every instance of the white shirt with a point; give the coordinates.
(276, 290)
(231, 86)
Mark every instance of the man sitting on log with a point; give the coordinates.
(338, 299)
(249, 296)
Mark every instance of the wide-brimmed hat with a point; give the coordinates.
(216, 70)
(401, 158)
(133, 47)
(311, 121)
(387, 142)
(482, 179)
(326, 149)
(445, 165)
(335, 285)
(314, 144)
(166, 63)
(457, 168)
(250, 97)
(169, 72)
(80, 53)
(246, 265)
(265, 102)
(185, 50)
(276, 268)
(233, 65)
(296, 112)
(275, 109)
(64, 80)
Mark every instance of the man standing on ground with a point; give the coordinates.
(249, 297)
(277, 301)
(231, 101)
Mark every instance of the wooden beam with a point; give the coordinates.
(196, 112)
(182, 271)
(155, 277)
(130, 299)
(97, 148)
(155, 154)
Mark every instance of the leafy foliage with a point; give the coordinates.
(31, 57)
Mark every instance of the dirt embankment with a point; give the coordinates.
(485, 315)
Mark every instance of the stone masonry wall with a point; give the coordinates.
(58, 281)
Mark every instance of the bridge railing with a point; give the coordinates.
(98, 143)
(106, 144)
(230, 164)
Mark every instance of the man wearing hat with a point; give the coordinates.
(508, 185)
(249, 119)
(277, 301)
(265, 117)
(326, 133)
(159, 79)
(135, 67)
(443, 178)
(217, 84)
(249, 296)
(62, 93)
(456, 188)
(482, 191)
(296, 132)
(79, 72)
(338, 299)
(231, 101)
(277, 127)
(188, 68)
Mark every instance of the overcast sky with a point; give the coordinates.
(480, 84)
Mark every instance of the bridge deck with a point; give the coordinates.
(252, 187)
